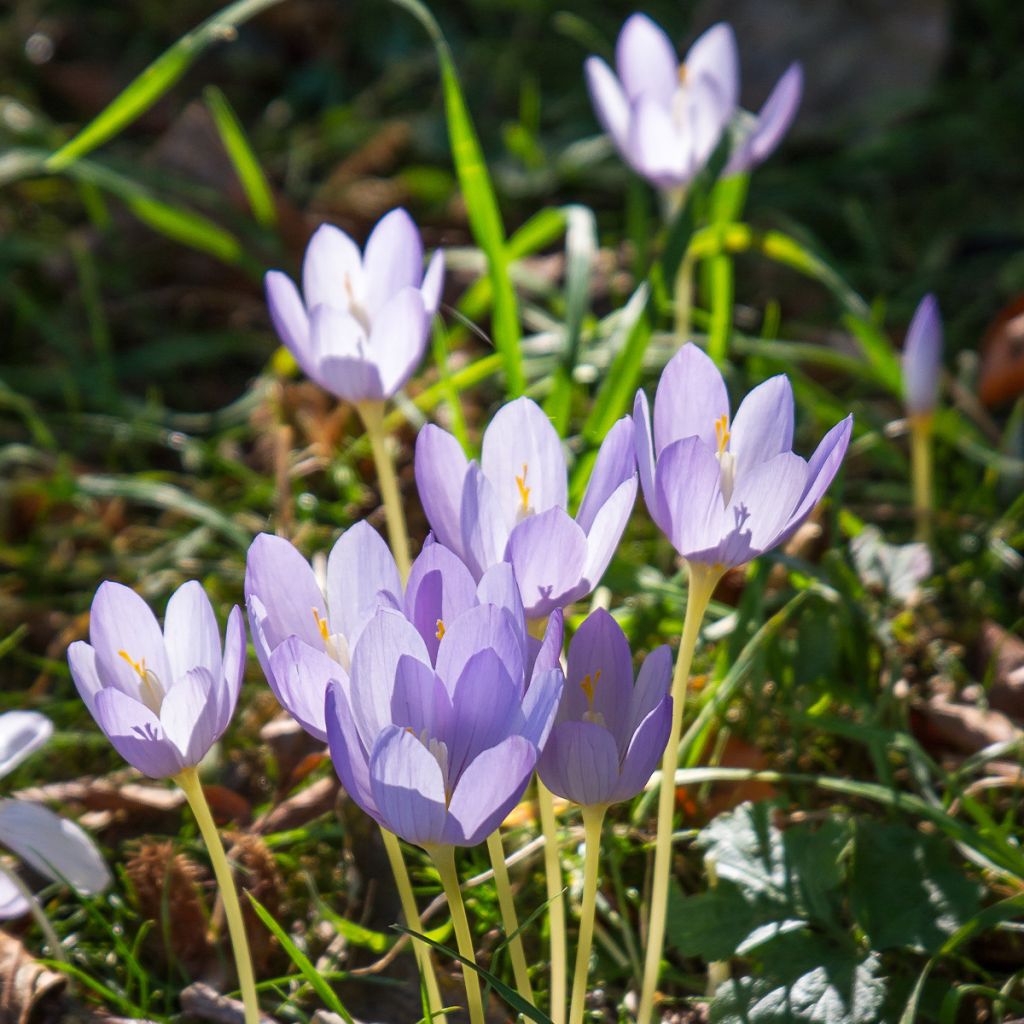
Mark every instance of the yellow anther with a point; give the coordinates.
(682, 74)
(722, 432)
(139, 666)
(321, 624)
(524, 491)
(440, 629)
(588, 686)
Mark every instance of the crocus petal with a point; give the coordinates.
(348, 755)
(340, 350)
(12, 902)
(300, 676)
(691, 398)
(484, 531)
(485, 626)
(137, 734)
(645, 457)
(655, 149)
(359, 568)
(440, 589)
(393, 259)
(498, 586)
(548, 653)
(288, 315)
(763, 426)
(548, 552)
(580, 763)
(398, 338)
(540, 705)
(21, 733)
(645, 751)
(714, 56)
(186, 715)
(121, 621)
(610, 103)
(489, 788)
(922, 357)
(54, 846)
(82, 662)
(432, 288)
(705, 113)
(689, 495)
(646, 61)
(523, 460)
(332, 269)
(652, 684)
(615, 464)
(191, 634)
(440, 466)
(769, 492)
(420, 701)
(606, 532)
(773, 121)
(408, 787)
(821, 470)
(233, 668)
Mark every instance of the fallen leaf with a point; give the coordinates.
(28, 990)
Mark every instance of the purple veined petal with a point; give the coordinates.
(498, 586)
(191, 634)
(342, 358)
(768, 493)
(615, 464)
(645, 458)
(522, 458)
(12, 902)
(489, 788)
(439, 590)
(440, 466)
(420, 701)
(547, 654)
(408, 787)
(922, 357)
(54, 846)
(653, 682)
(289, 317)
(714, 55)
(349, 757)
(398, 338)
(359, 568)
(610, 103)
(300, 676)
(386, 638)
(655, 148)
(821, 471)
(137, 734)
(82, 662)
(689, 492)
(580, 763)
(482, 522)
(332, 270)
(772, 123)
(122, 621)
(188, 715)
(763, 427)
(233, 669)
(645, 751)
(548, 552)
(484, 627)
(691, 398)
(432, 288)
(540, 706)
(393, 260)
(21, 734)
(604, 536)
(646, 61)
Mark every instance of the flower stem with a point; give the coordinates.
(509, 920)
(556, 905)
(37, 912)
(703, 579)
(593, 819)
(188, 780)
(444, 859)
(372, 414)
(921, 469)
(412, 918)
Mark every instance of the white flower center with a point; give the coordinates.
(355, 307)
(335, 644)
(151, 692)
(726, 460)
(525, 508)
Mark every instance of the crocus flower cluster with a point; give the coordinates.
(922, 358)
(666, 118)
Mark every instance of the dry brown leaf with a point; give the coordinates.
(28, 990)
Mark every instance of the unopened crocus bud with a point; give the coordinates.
(922, 358)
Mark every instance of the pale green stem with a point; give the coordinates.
(703, 579)
(372, 414)
(593, 819)
(556, 905)
(921, 431)
(190, 785)
(412, 918)
(37, 912)
(509, 919)
(444, 859)
(683, 299)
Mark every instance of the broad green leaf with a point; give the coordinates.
(713, 924)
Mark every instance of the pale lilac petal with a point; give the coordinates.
(646, 61)
(341, 354)
(580, 763)
(21, 734)
(82, 662)
(332, 270)
(489, 788)
(191, 634)
(482, 627)
(645, 458)
(408, 787)
(691, 398)
(615, 464)
(522, 458)
(645, 751)
(288, 315)
(187, 715)
(821, 470)
(233, 669)
(714, 55)
(922, 357)
(440, 466)
(610, 103)
(137, 734)
(705, 114)
(773, 121)
(548, 552)
(540, 706)
(688, 485)
(547, 653)
(54, 846)
(349, 757)
(393, 259)
(398, 338)
(420, 701)
(484, 531)
(768, 493)
(432, 288)
(653, 682)
(360, 568)
(440, 589)
(763, 427)
(12, 902)
(300, 677)
(606, 532)
(655, 148)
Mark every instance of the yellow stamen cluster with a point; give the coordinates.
(321, 624)
(524, 491)
(440, 629)
(139, 666)
(588, 686)
(722, 432)
(150, 690)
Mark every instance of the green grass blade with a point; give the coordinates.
(247, 166)
(143, 91)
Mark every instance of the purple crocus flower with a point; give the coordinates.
(162, 698)
(724, 492)
(609, 734)
(360, 326)
(922, 358)
(438, 751)
(666, 118)
(304, 632)
(511, 505)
